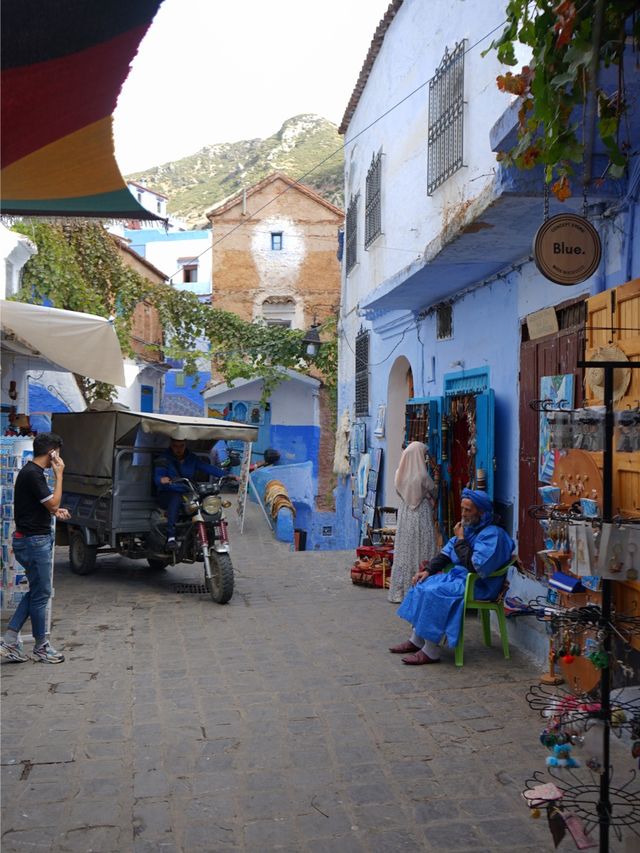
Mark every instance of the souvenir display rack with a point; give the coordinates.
(595, 802)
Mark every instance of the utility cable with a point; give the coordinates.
(310, 171)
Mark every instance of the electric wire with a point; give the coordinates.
(330, 156)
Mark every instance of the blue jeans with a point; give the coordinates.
(34, 553)
(171, 501)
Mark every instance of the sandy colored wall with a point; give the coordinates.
(246, 271)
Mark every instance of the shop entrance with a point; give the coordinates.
(467, 440)
(551, 355)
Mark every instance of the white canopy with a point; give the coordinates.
(82, 343)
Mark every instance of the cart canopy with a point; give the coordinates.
(90, 437)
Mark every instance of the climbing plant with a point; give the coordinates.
(78, 267)
(570, 43)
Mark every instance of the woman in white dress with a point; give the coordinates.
(415, 538)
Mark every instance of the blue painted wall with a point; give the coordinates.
(140, 238)
(42, 400)
(486, 333)
(296, 444)
(325, 530)
(186, 398)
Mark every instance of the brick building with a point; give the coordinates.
(274, 253)
(274, 259)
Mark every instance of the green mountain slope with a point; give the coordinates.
(195, 183)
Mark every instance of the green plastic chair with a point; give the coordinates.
(484, 609)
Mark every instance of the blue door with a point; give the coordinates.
(257, 414)
(146, 398)
(485, 432)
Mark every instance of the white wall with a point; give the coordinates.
(413, 48)
(148, 375)
(166, 254)
(292, 402)
(278, 270)
(149, 200)
(15, 251)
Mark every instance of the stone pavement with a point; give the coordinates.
(277, 722)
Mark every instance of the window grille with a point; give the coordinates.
(362, 373)
(444, 321)
(372, 211)
(446, 111)
(351, 252)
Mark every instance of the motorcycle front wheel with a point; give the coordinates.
(220, 584)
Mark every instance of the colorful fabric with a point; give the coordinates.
(63, 65)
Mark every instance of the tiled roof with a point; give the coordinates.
(227, 204)
(374, 50)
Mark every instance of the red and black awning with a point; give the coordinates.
(63, 65)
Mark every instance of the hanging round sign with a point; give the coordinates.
(567, 249)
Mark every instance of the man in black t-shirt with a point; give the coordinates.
(34, 504)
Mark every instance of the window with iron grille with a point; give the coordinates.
(444, 321)
(362, 373)
(372, 210)
(351, 242)
(446, 111)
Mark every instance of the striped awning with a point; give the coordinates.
(63, 65)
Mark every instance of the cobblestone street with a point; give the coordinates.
(277, 722)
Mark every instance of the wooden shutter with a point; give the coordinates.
(618, 311)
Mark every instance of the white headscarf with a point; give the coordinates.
(412, 479)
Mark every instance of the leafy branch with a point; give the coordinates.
(78, 267)
(570, 43)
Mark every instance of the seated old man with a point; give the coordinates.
(434, 604)
(176, 462)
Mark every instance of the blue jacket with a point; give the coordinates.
(169, 465)
(435, 606)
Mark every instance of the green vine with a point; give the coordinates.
(78, 267)
(570, 43)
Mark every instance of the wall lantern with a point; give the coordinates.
(311, 340)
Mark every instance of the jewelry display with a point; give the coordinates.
(589, 636)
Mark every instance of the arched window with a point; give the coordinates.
(279, 311)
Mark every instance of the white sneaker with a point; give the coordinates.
(47, 654)
(13, 652)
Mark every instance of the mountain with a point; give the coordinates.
(195, 183)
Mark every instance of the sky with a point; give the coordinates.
(210, 71)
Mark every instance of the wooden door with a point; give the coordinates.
(614, 318)
(549, 356)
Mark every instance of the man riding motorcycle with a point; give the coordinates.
(175, 463)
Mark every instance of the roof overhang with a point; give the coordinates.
(497, 229)
(292, 375)
(492, 234)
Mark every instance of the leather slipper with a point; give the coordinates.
(403, 648)
(419, 658)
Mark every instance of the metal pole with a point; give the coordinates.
(604, 804)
